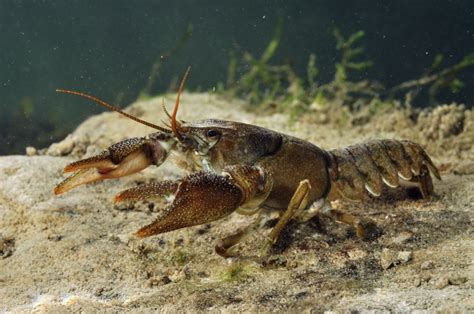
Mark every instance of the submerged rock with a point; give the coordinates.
(391, 258)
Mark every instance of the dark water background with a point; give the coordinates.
(107, 48)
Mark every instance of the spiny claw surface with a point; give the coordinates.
(200, 198)
(145, 191)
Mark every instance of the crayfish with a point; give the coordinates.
(252, 171)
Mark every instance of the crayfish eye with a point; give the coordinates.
(212, 133)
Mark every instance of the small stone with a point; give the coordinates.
(356, 254)
(177, 276)
(55, 237)
(401, 238)
(441, 282)
(62, 148)
(457, 280)
(30, 151)
(276, 261)
(151, 206)
(301, 294)
(405, 256)
(392, 258)
(124, 206)
(425, 277)
(464, 168)
(388, 258)
(153, 282)
(417, 282)
(99, 291)
(188, 272)
(165, 280)
(427, 265)
(7, 246)
(120, 238)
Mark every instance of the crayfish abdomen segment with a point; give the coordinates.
(361, 171)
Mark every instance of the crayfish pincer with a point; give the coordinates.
(252, 171)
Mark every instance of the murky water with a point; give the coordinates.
(119, 50)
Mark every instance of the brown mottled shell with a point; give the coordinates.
(360, 171)
(193, 205)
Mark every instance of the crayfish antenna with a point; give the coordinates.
(175, 125)
(165, 110)
(112, 108)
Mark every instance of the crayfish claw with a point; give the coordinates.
(204, 197)
(82, 176)
(200, 198)
(145, 191)
(99, 168)
(101, 161)
(121, 159)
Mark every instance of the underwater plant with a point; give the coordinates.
(434, 80)
(264, 83)
(147, 91)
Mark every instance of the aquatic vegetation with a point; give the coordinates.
(264, 83)
(349, 53)
(147, 91)
(435, 79)
(238, 271)
(181, 257)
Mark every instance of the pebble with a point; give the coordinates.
(388, 258)
(457, 280)
(177, 276)
(447, 279)
(55, 237)
(62, 148)
(7, 246)
(464, 168)
(417, 282)
(165, 280)
(441, 282)
(156, 281)
(356, 254)
(120, 238)
(392, 258)
(405, 256)
(427, 265)
(401, 238)
(31, 151)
